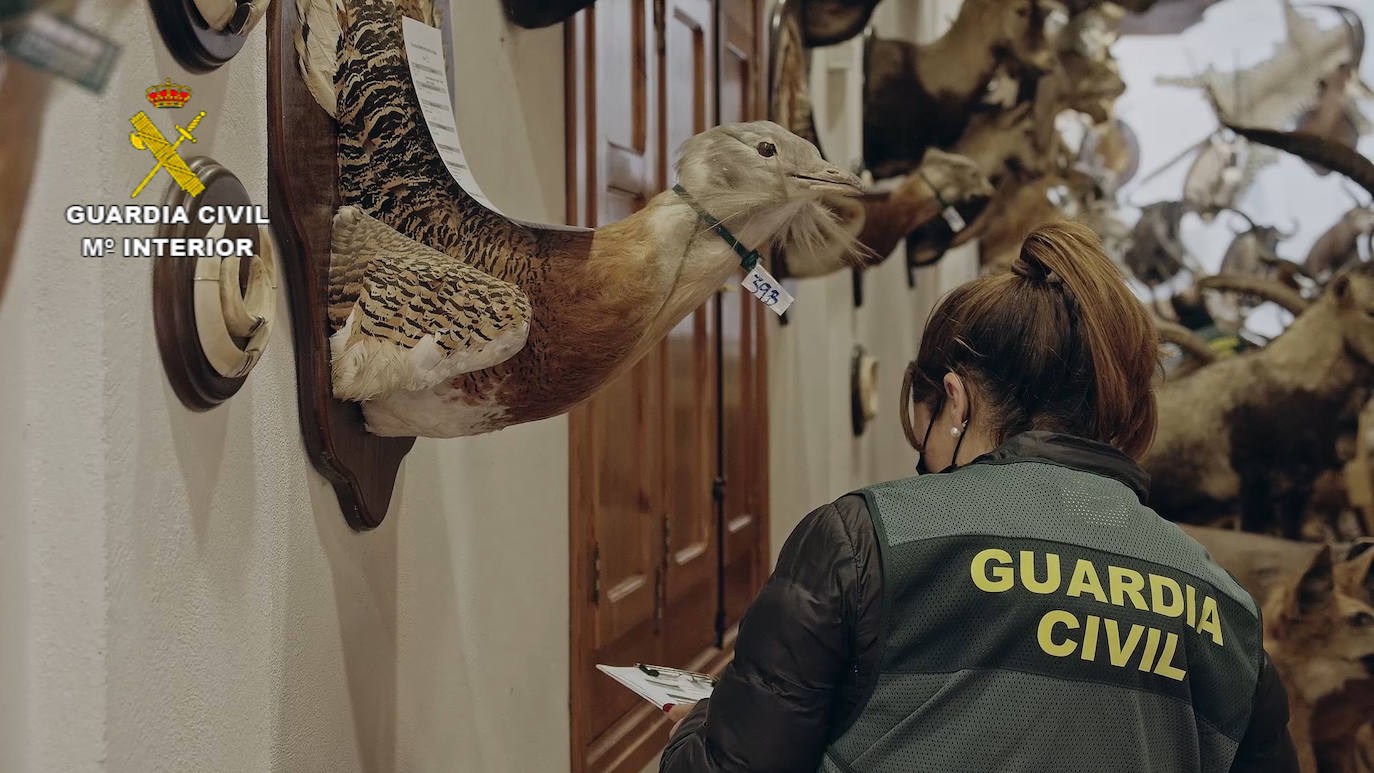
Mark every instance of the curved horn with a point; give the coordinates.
(1354, 198)
(1319, 150)
(1268, 289)
(1247, 219)
(1191, 343)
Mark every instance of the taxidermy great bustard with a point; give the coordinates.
(451, 319)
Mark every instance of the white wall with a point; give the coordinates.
(1169, 120)
(814, 456)
(179, 591)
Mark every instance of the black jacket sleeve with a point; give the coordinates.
(773, 707)
(1267, 746)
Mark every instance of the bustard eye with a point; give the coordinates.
(767, 149)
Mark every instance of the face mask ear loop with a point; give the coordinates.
(954, 461)
(921, 460)
(905, 411)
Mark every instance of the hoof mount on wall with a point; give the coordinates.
(213, 316)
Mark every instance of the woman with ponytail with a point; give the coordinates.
(1017, 606)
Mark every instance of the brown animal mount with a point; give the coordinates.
(532, 14)
(918, 96)
(1317, 603)
(827, 22)
(1257, 429)
(302, 158)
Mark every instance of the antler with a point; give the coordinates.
(1319, 150)
(1191, 343)
(1268, 289)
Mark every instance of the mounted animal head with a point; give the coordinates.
(1355, 573)
(1352, 293)
(1323, 639)
(1217, 176)
(1156, 253)
(943, 179)
(763, 182)
(919, 96)
(1340, 245)
(957, 179)
(1254, 250)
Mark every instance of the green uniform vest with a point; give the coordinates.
(1040, 618)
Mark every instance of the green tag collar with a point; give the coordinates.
(747, 258)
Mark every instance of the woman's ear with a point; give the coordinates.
(956, 396)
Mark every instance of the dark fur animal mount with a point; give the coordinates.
(1257, 429)
(532, 14)
(451, 319)
(918, 96)
(1157, 254)
(827, 22)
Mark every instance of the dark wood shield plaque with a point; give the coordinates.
(192, 41)
(302, 197)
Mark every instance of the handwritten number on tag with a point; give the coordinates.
(764, 287)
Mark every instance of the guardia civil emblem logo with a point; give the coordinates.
(146, 136)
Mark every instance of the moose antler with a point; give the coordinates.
(1191, 343)
(1310, 147)
(1268, 289)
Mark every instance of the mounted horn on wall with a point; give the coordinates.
(213, 315)
(863, 389)
(204, 34)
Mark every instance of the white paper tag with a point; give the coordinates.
(429, 74)
(768, 290)
(955, 220)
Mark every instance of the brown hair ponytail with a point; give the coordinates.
(1057, 343)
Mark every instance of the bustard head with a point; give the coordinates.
(768, 185)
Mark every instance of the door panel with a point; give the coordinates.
(744, 454)
(650, 541)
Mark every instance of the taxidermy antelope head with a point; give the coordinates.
(919, 96)
(789, 89)
(1339, 246)
(1222, 171)
(1252, 253)
(451, 319)
(942, 181)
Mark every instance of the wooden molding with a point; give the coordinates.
(303, 196)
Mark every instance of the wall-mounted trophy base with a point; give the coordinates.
(195, 44)
(198, 384)
(303, 196)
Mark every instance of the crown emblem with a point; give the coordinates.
(169, 94)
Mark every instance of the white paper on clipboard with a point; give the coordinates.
(429, 74)
(662, 686)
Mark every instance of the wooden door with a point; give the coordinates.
(616, 476)
(743, 485)
(648, 513)
(691, 583)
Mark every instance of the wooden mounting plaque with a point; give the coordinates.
(194, 380)
(195, 44)
(303, 195)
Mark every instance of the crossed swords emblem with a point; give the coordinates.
(147, 136)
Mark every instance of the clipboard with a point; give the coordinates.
(660, 685)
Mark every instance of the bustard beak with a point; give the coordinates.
(832, 180)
